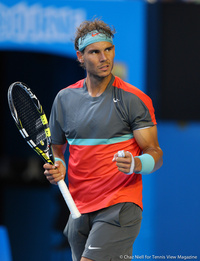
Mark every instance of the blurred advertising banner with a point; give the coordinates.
(24, 26)
(49, 26)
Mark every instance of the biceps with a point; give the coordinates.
(146, 138)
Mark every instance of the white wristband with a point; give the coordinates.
(122, 155)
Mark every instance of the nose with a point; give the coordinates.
(103, 57)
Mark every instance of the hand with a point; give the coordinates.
(55, 172)
(125, 162)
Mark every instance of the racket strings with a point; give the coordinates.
(28, 115)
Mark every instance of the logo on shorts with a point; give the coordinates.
(92, 248)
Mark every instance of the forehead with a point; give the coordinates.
(98, 46)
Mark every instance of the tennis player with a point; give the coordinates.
(111, 130)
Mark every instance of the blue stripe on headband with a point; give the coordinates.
(93, 37)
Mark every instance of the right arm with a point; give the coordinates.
(56, 172)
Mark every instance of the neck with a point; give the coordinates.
(96, 85)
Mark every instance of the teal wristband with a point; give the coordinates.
(147, 162)
(58, 159)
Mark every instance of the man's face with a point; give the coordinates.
(98, 59)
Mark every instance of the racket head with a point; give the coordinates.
(30, 119)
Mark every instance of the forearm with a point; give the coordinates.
(59, 151)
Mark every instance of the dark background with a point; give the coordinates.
(174, 60)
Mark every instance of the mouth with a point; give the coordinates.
(104, 67)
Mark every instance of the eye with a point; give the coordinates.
(109, 49)
(94, 51)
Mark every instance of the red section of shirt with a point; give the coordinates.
(95, 182)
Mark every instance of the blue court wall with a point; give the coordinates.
(172, 202)
(49, 26)
(171, 197)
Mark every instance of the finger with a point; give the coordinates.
(51, 172)
(124, 169)
(120, 160)
(115, 157)
(49, 166)
(53, 179)
(123, 164)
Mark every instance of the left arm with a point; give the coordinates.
(148, 142)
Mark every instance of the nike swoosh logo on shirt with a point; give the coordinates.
(116, 100)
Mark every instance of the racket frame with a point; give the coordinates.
(46, 155)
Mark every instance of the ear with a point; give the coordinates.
(80, 56)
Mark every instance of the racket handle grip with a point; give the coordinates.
(68, 199)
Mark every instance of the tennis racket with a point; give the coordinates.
(32, 123)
